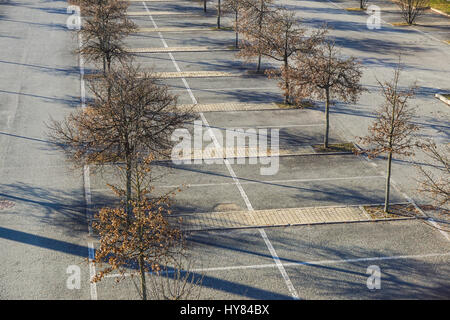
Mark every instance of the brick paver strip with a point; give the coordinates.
(244, 152)
(177, 49)
(185, 74)
(175, 29)
(152, 1)
(229, 107)
(270, 217)
(196, 74)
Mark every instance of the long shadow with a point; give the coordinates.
(59, 26)
(43, 242)
(63, 71)
(28, 138)
(65, 209)
(72, 101)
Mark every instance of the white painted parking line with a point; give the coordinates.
(306, 263)
(190, 185)
(230, 89)
(158, 13)
(87, 183)
(241, 190)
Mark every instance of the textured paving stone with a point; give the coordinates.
(177, 49)
(196, 74)
(229, 107)
(271, 217)
(175, 29)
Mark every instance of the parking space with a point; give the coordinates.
(321, 262)
(309, 262)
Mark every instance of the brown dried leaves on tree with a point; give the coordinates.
(284, 40)
(131, 114)
(254, 21)
(141, 237)
(325, 75)
(235, 7)
(392, 131)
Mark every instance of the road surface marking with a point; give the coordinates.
(306, 263)
(87, 183)
(241, 190)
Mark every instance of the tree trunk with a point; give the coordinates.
(204, 6)
(287, 96)
(327, 118)
(261, 17)
(104, 66)
(142, 274)
(218, 15)
(388, 183)
(237, 31)
(128, 191)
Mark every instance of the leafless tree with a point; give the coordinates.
(437, 184)
(235, 7)
(326, 75)
(104, 28)
(392, 131)
(363, 4)
(412, 9)
(219, 13)
(254, 21)
(284, 38)
(131, 116)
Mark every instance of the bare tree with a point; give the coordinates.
(412, 9)
(363, 4)
(253, 24)
(284, 38)
(219, 13)
(105, 26)
(325, 75)
(235, 7)
(392, 131)
(131, 116)
(436, 185)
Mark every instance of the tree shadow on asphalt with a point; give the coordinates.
(57, 71)
(399, 279)
(43, 242)
(347, 280)
(71, 101)
(52, 206)
(379, 46)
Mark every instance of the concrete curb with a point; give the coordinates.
(442, 98)
(440, 12)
